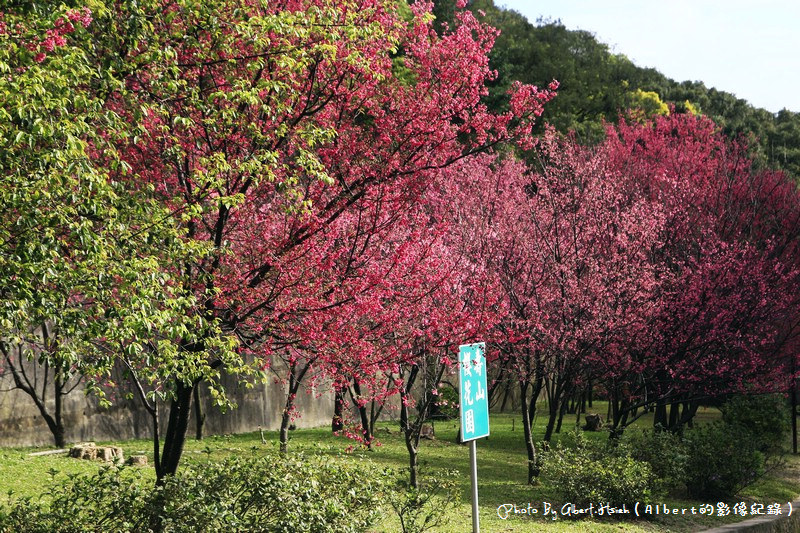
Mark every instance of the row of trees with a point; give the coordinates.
(319, 187)
(658, 267)
(196, 187)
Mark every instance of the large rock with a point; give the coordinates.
(84, 450)
(593, 422)
(90, 451)
(110, 454)
(137, 460)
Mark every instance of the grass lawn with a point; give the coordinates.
(501, 469)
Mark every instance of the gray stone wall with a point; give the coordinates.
(22, 425)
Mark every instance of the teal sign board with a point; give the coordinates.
(473, 403)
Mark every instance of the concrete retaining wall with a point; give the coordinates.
(22, 425)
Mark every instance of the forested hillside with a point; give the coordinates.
(596, 85)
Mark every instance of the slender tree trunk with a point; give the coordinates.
(528, 407)
(793, 396)
(154, 419)
(527, 429)
(337, 423)
(411, 445)
(362, 411)
(613, 404)
(660, 416)
(287, 416)
(410, 431)
(572, 404)
(155, 524)
(538, 385)
(553, 410)
(688, 413)
(413, 466)
(152, 410)
(674, 416)
(562, 412)
(285, 419)
(295, 379)
(199, 416)
(56, 427)
(505, 397)
(54, 420)
(58, 430)
(375, 411)
(620, 418)
(589, 394)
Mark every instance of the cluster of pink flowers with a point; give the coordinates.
(55, 37)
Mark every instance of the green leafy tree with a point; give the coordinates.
(81, 257)
(645, 105)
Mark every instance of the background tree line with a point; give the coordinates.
(596, 85)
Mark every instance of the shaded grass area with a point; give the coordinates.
(501, 467)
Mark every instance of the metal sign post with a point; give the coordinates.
(474, 410)
(473, 459)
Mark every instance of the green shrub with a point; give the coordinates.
(764, 418)
(424, 508)
(587, 473)
(722, 461)
(664, 451)
(114, 499)
(277, 494)
(729, 455)
(281, 494)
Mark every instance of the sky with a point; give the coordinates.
(750, 49)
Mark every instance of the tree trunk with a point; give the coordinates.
(660, 416)
(287, 414)
(295, 379)
(553, 410)
(177, 425)
(688, 412)
(156, 443)
(527, 430)
(620, 409)
(285, 418)
(505, 398)
(413, 467)
(411, 444)
(362, 411)
(375, 411)
(54, 421)
(199, 416)
(674, 416)
(410, 432)
(337, 423)
(561, 414)
(56, 427)
(793, 396)
(589, 394)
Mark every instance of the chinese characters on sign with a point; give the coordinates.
(474, 406)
